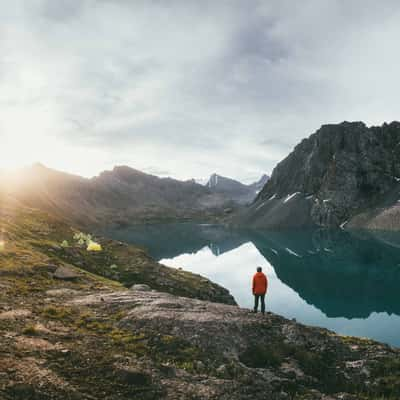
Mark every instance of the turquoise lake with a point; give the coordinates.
(346, 282)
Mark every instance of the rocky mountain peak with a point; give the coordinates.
(239, 192)
(339, 171)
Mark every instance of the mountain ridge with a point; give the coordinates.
(237, 191)
(343, 175)
(121, 196)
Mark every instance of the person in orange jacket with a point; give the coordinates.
(260, 286)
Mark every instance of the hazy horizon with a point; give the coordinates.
(201, 180)
(184, 89)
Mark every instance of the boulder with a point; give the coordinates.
(132, 375)
(65, 274)
(141, 287)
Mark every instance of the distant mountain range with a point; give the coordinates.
(235, 190)
(344, 175)
(121, 196)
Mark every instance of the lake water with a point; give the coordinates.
(347, 282)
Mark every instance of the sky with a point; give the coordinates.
(187, 88)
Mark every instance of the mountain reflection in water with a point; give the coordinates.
(344, 281)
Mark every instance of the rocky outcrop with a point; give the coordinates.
(224, 352)
(343, 175)
(103, 342)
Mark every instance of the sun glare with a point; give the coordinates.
(19, 150)
(22, 150)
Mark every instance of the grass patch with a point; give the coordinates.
(56, 312)
(30, 330)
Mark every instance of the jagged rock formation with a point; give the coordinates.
(235, 190)
(259, 185)
(342, 175)
(121, 196)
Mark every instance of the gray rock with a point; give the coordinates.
(65, 274)
(200, 367)
(51, 268)
(132, 375)
(168, 370)
(141, 287)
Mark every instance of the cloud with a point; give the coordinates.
(190, 87)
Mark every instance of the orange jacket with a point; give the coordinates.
(260, 283)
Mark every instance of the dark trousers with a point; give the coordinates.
(256, 298)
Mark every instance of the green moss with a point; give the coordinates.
(175, 350)
(161, 349)
(96, 326)
(119, 315)
(124, 337)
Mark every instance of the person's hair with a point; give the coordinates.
(259, 269)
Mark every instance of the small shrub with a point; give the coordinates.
(82, 238)
(53, 312)
(30, 330)
(262, 356)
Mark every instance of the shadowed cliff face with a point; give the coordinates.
(337, 173)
